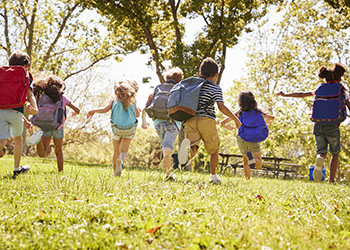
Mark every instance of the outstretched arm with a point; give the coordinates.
(100, 110)
(144, 122)
(32, 108)
(228, 113)
(75, 108)
(295, 94)
(137, 110)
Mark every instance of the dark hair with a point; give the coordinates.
(39, 87)
(54, 88)
(208, 68)
(246, 101)
(19, 58)
(332, 74)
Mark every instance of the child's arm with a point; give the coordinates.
(268, 118)
(144, 123)
(27, 123)
(100, 110)
(228, 113)
(295, 94)
(225, 125)
(137, 110)
(32, 108)
(75, 108)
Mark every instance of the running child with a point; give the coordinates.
(329, 110)
(123, 120)
(253, 130)
(51, 90)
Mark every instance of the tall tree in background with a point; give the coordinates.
(158, 27)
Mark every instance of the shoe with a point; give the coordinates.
(22, 170)
(169, 178)
(4, 151)
(251, 160)
(183, 151)
(35, 138)
(214, 179)
(317, 174)
(118, 167)
(158, 156)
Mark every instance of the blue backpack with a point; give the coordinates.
(254, 128)
(123, 118)
(183, 99)
(329, 104)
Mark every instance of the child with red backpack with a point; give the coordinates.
(329, 110)
(51, 116)
(15, 89)
(253, 131)
(123, 120)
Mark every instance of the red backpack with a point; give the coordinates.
(14, 84)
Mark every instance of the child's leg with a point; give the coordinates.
(214, 162)
(167, 160)
(43, 147)
(124, 148)
(246, 167)
(59, 154)
(258, 160)
(333, 167)
(17, 151)
(116, 153)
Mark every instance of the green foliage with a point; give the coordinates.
(86, 207)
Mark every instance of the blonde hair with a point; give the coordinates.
(125, 91)
(175, 74)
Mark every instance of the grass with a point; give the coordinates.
(88, 208)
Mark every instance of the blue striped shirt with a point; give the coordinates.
(208, 95)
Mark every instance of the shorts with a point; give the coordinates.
(327, 136)
(167, 132)
(203, 128)
(55, 133)
(11, 123)
(118, 134)
(245, 146)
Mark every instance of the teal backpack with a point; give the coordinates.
(123, 118)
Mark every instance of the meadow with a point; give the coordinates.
(86, 207)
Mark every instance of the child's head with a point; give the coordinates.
(246, 101)
(332, 74)
(125, 91)
(208, 68)
(39, 86)
(175, 74)
(54, 88)
(19, 58)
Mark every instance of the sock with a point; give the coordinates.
(16, 169)
(213, 177)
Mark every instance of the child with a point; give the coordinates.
(167, 130)
(123, 119)
(326, 134)
(249, 138)
(203, 125)
(54, 88)
(11, 120)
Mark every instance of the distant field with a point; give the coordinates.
(88, 208)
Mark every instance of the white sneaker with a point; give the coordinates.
(183, 151)
(214, 179)
(317, 174)
(35, 138)
(118, 167)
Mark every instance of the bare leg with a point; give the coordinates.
(258, 160)
(214, 161)
(43, 147)
(116, 153)
(124, 148)
(17, 152)
(59, 154)
(246, 167)
(167, 160)
(334, 164)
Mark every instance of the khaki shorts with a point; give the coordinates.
(203, 128)
(244, 146)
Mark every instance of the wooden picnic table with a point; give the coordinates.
(235, 160)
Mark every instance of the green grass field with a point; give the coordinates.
(88, 208)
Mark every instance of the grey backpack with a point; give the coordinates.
(51, 115)
(158, 108)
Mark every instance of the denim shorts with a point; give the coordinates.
(55, 133)
(327, 136)
(245, 146)
(11, 123)
(167, 132)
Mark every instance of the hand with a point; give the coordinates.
(145, 125)
(281, 93)
(27, 124)
(90, 114)
(74, 113)
(31, 110)
(229, 127)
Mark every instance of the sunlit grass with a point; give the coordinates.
(87, 208)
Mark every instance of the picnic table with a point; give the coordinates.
(274, 164)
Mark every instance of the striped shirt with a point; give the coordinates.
(208, 95)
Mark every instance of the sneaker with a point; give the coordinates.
(251, 160)
(158, 156)
(35, 138)
(169, 178)
(118, 167)
(317, 174)
(4, 151)
(183, 151)
(214, 179)
(22, 170)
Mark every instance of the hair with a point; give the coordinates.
(332, 74)
(208, 68)
(125, 91)
(246, 101)
(39, 87)
(175, 74)
(19, 58)
(54, 88)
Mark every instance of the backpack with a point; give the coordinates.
(14, 84)
(329, 104)
(158, 107)
(183, 99)
(51, 115)
(254, 128)
(123, 118)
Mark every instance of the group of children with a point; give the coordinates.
(250, 121)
